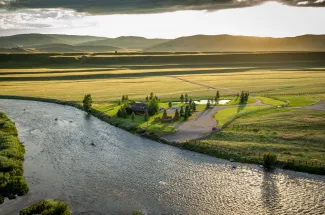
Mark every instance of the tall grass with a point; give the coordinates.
(12, 182)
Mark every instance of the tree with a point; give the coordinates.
(182, 111)
(208, 105)
(151, 96)
(153, 106)
(186, 98)
(123, 98)
(190, 103)
(133, 116)
(146, 116)
(176, 116)
(165, 113)
(182, 98)
(186, 115)
(147, 98)
(269, 159)
(217, 97)
(170, 104)
(188, 110)
(87, 102)
(193, 106)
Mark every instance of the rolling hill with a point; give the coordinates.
(228, 43)
(127, 42)
(61, 47)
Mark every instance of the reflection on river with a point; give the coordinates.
(99, 169)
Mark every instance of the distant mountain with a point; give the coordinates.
(60, 47)
(228, 43)
(32, 40)
(127, 42)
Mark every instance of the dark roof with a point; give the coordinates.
(139, 107)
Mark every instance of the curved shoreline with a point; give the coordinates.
(189, 145)
(122, 171)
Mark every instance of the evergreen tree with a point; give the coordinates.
(146, 116)
(208, 105)
(151, 96)
(190, 103)
(147, 98)
(133, 116)
(165, 113)
(123, 98)
(153, 106)
(185, 115)
(217, 97)
(87, 102)
(193, 106)
(186, 98)
(182, 98)
(119, 102)
(182, 111)
(170, 104)
(176, 116)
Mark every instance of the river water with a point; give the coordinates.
(100, 169)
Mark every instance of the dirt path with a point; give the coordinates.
(201, 124)
(318, 106)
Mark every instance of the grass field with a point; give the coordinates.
(137, 76)
(223, 116)
(292, 132)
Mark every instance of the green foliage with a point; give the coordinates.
(12, 182)
(208, 105)
(182, 111)
(137, 212)
(47, 207)
(170, 104)
(146, 116)
(217, 97)
(133, 116)
(165, 113)
(182, 98)
(176, 116)
(244, 97)
(269, 159)
(122, 112)
(153, 106)
(186, 98)
(87, 102)
(186, 115)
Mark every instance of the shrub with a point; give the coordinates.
(269, 159)
(47, 207)
(137, 212)
(87, 102)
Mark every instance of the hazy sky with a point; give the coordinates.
(268, 19)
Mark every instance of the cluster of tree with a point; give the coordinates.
(187, 111)
(184, 98)
(48, 207)
(151, 96)
(153, 104)
(124, 111)
(125, 98)
(243, 97)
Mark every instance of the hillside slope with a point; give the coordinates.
(228, 43)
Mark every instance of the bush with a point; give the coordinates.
(270, 159)
(47, 207)
(12, 182)
(137, 212)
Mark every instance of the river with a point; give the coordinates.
(100, 169)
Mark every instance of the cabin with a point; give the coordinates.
(139, 108)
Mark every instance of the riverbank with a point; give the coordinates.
(97, 168)
(195, 146)
(12, 182)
